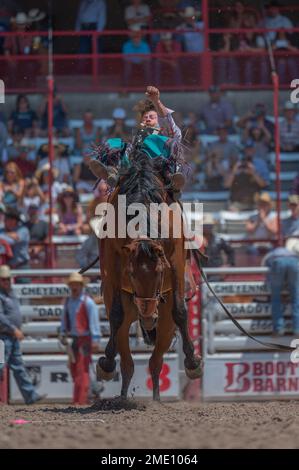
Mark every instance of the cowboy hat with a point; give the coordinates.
(76, 277)
(40, 171)
(5, 272)
(21, 18)
(264, 197)
(36, 15)
(293, 199)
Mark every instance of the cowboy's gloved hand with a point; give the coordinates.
(153, 93)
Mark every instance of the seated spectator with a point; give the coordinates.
(23, 161)
(261, 138)
(60, 123)
(61, 161)
(286, 64)
(192, 39)
(70, 213)
(33, 195)
(91, 16)
(263, 225)
(289, 129)
(245, 179)
(256, 117)
(295, 185)
(283, 264)
(38, 230)
(17, 236)
(12, 186)
(23, 117)
(87, 135)
(215, 172)
(226, 150)
(43, 178)
(83, 179)
(3, 142)
(215, 247)
(274, 20)
(136, 45)
(290, 225)
(168, 46)
(217, 111)
(138, 14)
(119, 128)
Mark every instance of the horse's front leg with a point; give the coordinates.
(106, 365)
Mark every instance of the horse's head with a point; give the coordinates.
(146, 266)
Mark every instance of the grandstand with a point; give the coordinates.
(91, 77)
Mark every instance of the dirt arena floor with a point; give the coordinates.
(137, 424)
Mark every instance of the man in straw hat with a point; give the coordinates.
(283, 264)
(11, 334)
(17, 236)
(80, 320)
(290, 225)
(264, 224)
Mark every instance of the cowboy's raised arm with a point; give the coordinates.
(165, 114)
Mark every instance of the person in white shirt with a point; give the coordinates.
(274, 19)
(91, 16)
(138, 14)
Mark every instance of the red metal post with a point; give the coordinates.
(4, 385)
(94, 59)
(206, 62)
(275, 80)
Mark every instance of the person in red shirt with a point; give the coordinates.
(169, 63)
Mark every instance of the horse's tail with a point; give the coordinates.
(149, 336)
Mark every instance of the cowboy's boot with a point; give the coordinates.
(102, 171)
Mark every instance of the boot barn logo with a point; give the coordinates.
(2, 92)
(257, 377)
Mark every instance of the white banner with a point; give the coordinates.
(50, 375)
(244, 376)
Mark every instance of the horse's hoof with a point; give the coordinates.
(101, 373)
(197, 372)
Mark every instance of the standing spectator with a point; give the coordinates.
(256, 117)
(138, 14)
(42, 175)
(11, 334)
(18, 44)
(83, 177)
(215, 172)
(91, 16)
(136, 45)
(33, 195)
(274, 20)
(217, 112)
(38, 230)
(192, 39)
(61, 161)
(261, 138)
(119, 128)
(17, 236)
(87, 135)
(289, 129)
(60, 122)
(283, 264)
(23, 117)
(264, 224)
(12, 186)
(168, 62)
(80, 320)
(226, 150)
(290, 225)
(245, 179)
(70, 213)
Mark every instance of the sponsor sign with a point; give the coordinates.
(238, 288)
(49, 290)
(52, 376)
(259, 376)
(47, 312)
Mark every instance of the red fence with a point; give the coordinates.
(113, 71)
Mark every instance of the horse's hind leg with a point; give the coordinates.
(106, 365)
(193, 364)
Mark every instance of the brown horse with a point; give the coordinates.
(143, 279)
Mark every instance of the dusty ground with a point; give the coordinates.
(111, 424)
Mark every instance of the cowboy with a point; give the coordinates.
(157, 130)
(11, 334)
(80, 320)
